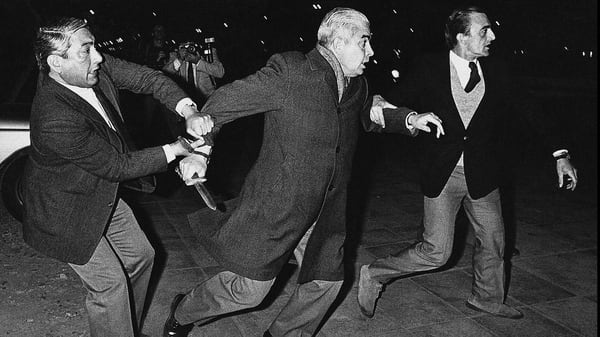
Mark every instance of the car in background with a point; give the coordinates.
(14, 147)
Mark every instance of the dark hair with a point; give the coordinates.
(55, 39)
(459, 22)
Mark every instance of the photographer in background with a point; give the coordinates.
(194, 68)
(198, 67)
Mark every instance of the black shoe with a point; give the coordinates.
(267, 334)
(172, 327)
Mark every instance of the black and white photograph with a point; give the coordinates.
(269, 168)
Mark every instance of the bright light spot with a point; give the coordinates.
(318, 6)
(394, 11)
(265, 17)
(92, 12)
(411, 30)
(198, 30)
(314, 6)
(374, 61)
(301, 39)
(154, 14)
(566, 48)
(395, 73)
(225, 24)
(591, 52)
(522, 52)
(262, 42)
(498, 23)
(119, 40)
(582, 53)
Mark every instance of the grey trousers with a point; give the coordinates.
(123, 256)
(227, 292)
(485, 215)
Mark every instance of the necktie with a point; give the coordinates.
(474, 78)
(115, 119)
(190, 74)
(145, 184)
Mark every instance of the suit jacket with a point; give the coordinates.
(301, 175)
(77, 161)
(427, 89)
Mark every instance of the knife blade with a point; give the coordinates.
(205, 194)
(203, 191)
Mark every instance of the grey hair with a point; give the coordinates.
(341, 22)
(55, 39)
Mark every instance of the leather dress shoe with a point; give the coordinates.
(267, 334)
(500, 310)
(368, 292)
(172, 327)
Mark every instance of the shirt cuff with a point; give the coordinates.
(176, 64)
(169, 153)
(408, 126)
(558, 153)
(184, 101)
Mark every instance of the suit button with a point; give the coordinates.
(465, 138)
(330, 188)
(337, 149)
(110, 204)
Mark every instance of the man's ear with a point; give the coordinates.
(338, 44)
(460, 37)
(54, 62)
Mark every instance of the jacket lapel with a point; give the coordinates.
(446, 89)
(318, 63)
(81, 106)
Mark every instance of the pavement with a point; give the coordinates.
(553, 280)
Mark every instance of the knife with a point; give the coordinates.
(202, 190)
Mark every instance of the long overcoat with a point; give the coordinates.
(301, 175)
(77, 161)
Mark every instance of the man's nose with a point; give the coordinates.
(370, 51)
(96, 56)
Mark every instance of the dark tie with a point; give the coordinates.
(145, 184)
(190, 74)
(115, 119)
(474, 78)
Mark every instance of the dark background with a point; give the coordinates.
(540, 38)
(551, 46)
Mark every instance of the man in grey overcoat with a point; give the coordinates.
(293, 201)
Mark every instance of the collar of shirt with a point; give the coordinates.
(89, 96)
(462, 68)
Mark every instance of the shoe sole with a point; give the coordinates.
(471, 306)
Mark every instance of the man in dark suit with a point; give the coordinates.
(471, 96)
(80, 155)
(293, 201)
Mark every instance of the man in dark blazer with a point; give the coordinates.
(471, 95)
(80, 155)
(293, 200)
